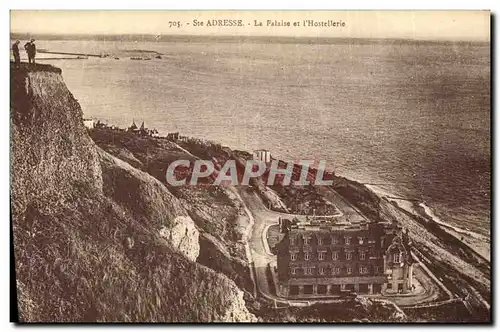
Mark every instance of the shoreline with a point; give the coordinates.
(479, 243)
(108, 199)
(422, 210)
(460, 263)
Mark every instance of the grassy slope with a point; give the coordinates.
(217, 214)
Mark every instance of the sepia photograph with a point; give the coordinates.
(232, 166)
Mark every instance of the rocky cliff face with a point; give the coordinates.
(148, 200)
(96, 239)
(50, 151)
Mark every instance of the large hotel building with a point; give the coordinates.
(321, 258)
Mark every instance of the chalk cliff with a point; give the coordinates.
(96, 239)
(99, 237)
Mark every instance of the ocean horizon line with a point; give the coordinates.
(230, 38)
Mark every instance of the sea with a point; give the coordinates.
(412, 119)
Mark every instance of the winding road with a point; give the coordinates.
(258, 252)
(261, 256)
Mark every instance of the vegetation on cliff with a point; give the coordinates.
(218, 215)
(100, 236)
(94, 238)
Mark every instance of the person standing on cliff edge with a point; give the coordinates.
(15, 52)
(30, 48)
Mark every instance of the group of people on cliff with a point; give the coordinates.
(30, 49)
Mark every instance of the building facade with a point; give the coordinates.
(89, 123)
(322, 258)
(262, 155)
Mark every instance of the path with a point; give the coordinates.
(260, 257)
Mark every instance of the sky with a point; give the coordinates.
(421, 25)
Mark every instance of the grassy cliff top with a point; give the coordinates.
(26, 68)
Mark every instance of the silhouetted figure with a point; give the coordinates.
(30, 48)
(15, 52)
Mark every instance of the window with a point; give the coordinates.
(321, 270)
(335, 255)
(349, 270)
(320, 240)
(342, 287)
(306, 256)
(396, 258)
(292, 241)
(347, 239)
(361, 240)
(362, 255)
(321, 256)
(389, 286)
(294, 270)
(308, 270)
(334, 240)
(363, 270)
(348, 256)
(293, 256)
(335, 270)
(376, 268)
(306, 240)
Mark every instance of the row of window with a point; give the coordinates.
(329, 240)
(396, 257)
(322, 255)
(335, 270)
